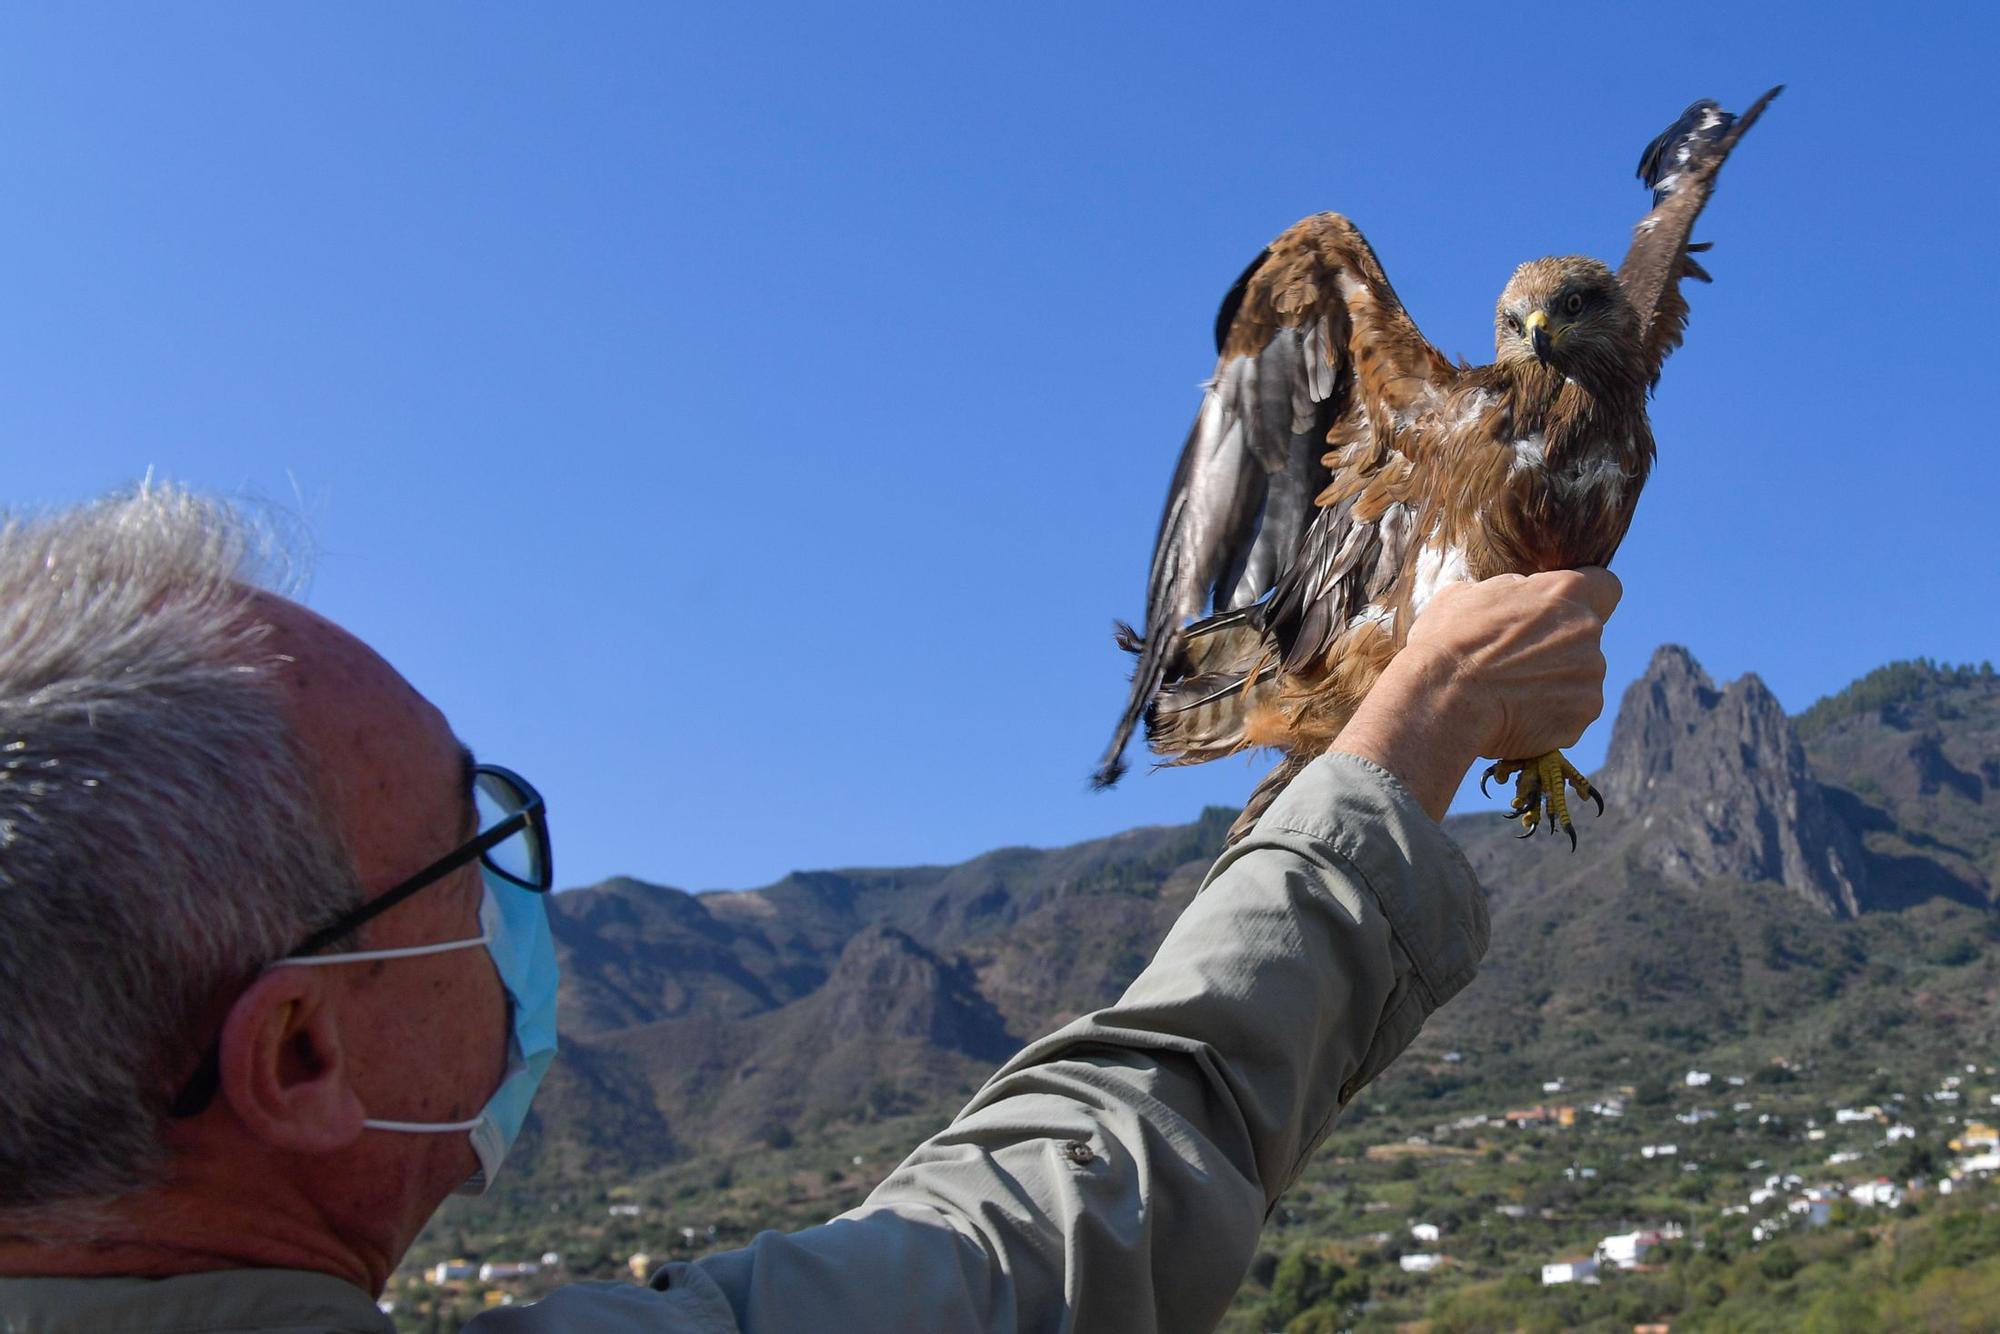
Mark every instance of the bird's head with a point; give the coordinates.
(1570, 315)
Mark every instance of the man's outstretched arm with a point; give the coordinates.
(1114, 1176)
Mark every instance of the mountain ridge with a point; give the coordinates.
(1739, 867)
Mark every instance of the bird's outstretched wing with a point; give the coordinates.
(1679, 167)
(1311, 334)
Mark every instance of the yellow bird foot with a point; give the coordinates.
(1540, 796)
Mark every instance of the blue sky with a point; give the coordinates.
(747, 421)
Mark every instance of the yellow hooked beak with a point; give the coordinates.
(1538, 335)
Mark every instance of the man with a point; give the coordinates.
(269, 991)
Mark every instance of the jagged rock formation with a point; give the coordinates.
(1718, 782)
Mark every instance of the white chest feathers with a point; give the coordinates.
(1436, 567)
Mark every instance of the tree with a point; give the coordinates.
(1779, 1263)
(1305, 1278)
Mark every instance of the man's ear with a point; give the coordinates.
(283, 1068)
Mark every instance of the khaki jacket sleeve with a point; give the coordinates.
(1114, 1176)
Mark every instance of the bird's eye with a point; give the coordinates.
(1573, 304)
(1514, 323)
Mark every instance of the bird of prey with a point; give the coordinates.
(1341, 470)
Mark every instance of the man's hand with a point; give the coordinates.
(1506, 668)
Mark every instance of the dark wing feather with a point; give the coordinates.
(1350, 559)
(1232, 300)
(1679, 167)
(1242, 493)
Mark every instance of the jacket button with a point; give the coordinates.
(1079, 1152)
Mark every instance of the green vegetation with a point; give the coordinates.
(1891, 689)
(1431, 1144)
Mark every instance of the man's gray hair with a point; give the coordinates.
(161, 838)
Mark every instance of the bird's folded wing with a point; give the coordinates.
(1311, 334)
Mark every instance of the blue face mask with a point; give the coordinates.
(514, 928)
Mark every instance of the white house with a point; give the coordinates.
(1420, 1264)
(1582, 1269)
(1627, 1249)
(1658, 1150)
(508, 1269)
(1425, 1232)
(1698, 1079)
(453, 1271)
(1880, 1192)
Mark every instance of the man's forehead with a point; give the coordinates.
(385, 757)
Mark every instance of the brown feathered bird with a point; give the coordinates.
(1440, 472)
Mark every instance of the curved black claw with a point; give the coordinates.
(1572, 837)
(1529, 834)
(1482, 783)
(1594, 796)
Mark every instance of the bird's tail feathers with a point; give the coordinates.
(1183, 687)
(1202, 715)
(1155, 655)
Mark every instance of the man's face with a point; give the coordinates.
(425, 1037)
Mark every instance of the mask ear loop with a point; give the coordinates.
(405, 952)
(422, 1127)
(368, 956)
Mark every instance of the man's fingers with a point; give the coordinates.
(1592, 585)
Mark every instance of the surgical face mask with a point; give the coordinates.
(514, 928)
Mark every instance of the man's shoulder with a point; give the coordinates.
(270, 1301)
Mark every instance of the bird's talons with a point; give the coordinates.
(1499, 771)
(1541, 796)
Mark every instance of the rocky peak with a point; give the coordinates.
(1718, 780)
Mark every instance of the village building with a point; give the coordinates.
(1879, 1193)
(1577, 1269)
(1627, 1250)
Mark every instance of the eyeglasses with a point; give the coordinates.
(512, 843)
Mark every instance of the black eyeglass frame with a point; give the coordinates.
(201, 1086)
(533, 816)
